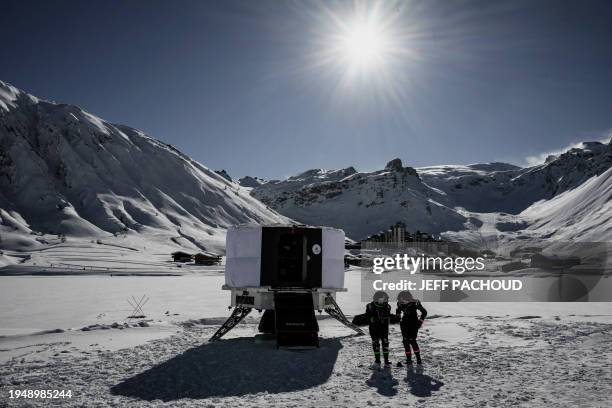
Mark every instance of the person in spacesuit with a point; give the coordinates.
(410, 323)
(378, 314)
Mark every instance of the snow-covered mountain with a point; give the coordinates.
(66, 171)
(361, 203)
(503, 187)
(583, 213)
(441, 198)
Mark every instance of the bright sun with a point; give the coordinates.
(364, 45)
(368, 47)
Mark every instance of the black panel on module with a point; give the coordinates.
(291, 257)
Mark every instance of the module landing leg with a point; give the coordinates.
(238, 314)
(337, 314)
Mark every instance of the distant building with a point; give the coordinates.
(180, 256)
(397, 233)
(207, 259)
(422, 237)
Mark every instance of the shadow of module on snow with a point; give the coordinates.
(233, 367)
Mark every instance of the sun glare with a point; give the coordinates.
(363, 44)
(365, 51)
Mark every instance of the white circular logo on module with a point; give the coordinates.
(316, 249)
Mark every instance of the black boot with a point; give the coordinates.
(408, 358)
(416, 350)
(376, 349)
(385, 348)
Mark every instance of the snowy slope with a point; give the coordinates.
(66, 171)
(500, 187)
(361, 203)
(475, 187)
(579, 215)
(584, 213)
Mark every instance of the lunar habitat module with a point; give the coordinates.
(288, 272)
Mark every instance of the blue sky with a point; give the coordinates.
(243, 86)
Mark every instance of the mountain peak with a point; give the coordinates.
(8, 95)
(249, 181)
(224, 174)
(349, 171)
(395, 164)
(550, 158)
(66, 171)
